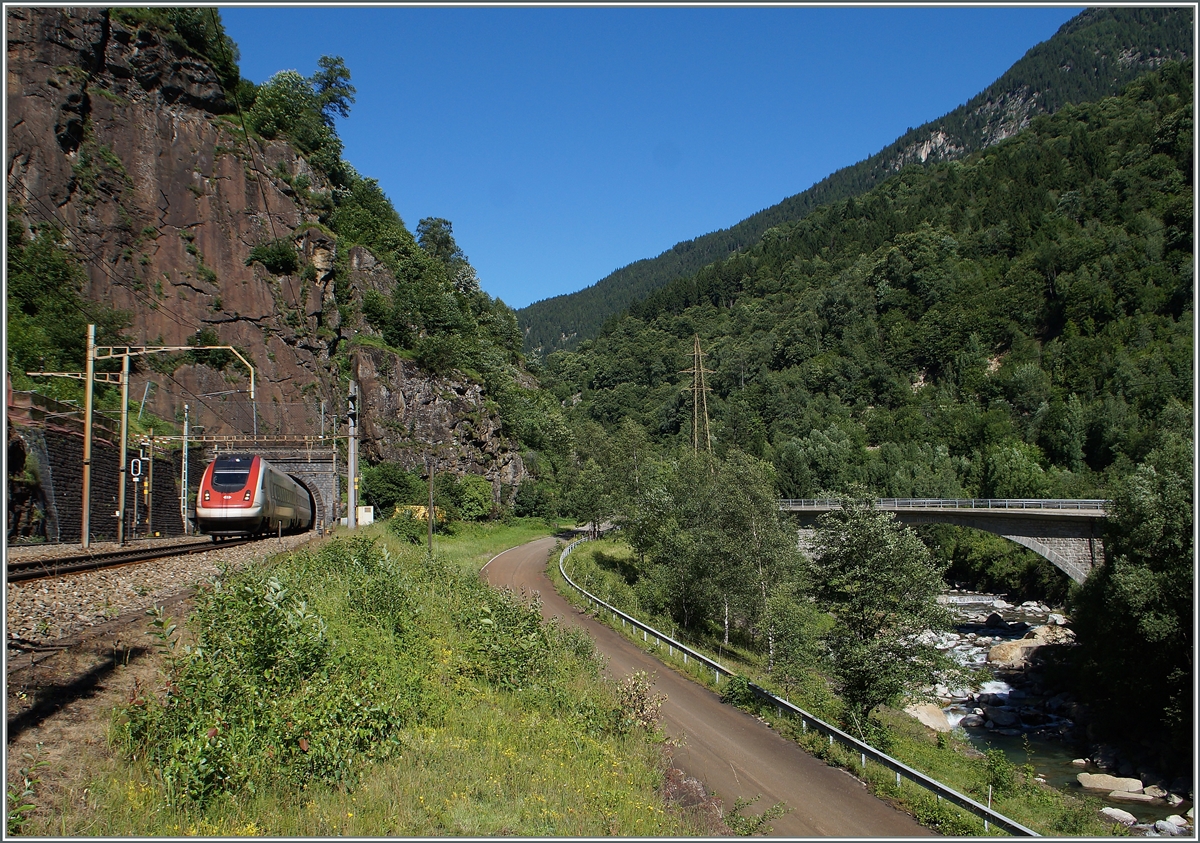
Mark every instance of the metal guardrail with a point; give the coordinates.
(1065, 505)
(865, 751)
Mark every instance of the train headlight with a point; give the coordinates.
(206, 494)
(246, 496)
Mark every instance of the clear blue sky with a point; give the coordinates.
(565, 143)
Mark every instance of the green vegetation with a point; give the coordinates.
(387, 486)
(1015, 324)
(880, 583)
(1135, 614)
(278, 257)
(359, 687)
(47, 314)
(197, 30)
(1092, 56)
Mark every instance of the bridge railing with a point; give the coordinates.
(957, 503)
(807, 721)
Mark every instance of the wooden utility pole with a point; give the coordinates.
(699, 397)
(430, 513)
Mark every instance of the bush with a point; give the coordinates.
(278, 257)
(737, 692)
(408, 527)
(263, 696)
(474, 497)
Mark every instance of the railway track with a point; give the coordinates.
(33, 569)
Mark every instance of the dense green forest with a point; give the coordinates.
(1091, 56)
(1015, 324)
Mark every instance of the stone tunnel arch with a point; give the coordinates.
(314, 498)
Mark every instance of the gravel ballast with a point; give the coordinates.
(44, 610)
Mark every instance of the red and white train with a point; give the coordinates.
(244, 495)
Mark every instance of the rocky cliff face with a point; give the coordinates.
(125, 141)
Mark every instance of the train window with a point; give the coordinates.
(231, 473)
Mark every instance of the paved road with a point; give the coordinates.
(725, 748)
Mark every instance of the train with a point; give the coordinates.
(244, 495)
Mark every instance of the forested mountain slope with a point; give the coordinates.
(1091, 56)
(1015, 324)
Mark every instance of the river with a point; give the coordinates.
(1042, 734)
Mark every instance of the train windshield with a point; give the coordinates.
(231, 473)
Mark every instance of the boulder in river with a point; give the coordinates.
(1117, 815)
(995, 621)
(1126, 796)
(1005, 718)
(930, 715)
(1103, 781)
(1167, 827)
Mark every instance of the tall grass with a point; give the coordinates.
(359, 687)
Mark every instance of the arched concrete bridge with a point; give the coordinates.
(308, 459)
(1067, 532)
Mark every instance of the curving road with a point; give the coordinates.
(725, 748)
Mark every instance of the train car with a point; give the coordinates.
(244, 495)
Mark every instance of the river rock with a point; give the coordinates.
(1167, 827)
(1182, 786)
(1011, 654)
(930, 715)
(1126, 796)
(974, 721)
(1003, 718)
(1173, 799)
(1031, 716)
(1117, 815)
(1080, 762)
(1155, 791)
(1056, 619)
(1049, 634)
(1102, 781)
(1105, 757)
(995, 621)
(1178, 820)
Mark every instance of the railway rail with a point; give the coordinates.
(31, 569)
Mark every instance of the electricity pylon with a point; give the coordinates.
(699, 397)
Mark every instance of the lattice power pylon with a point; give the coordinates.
(699, 397)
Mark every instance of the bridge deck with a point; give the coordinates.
(1056, 508)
